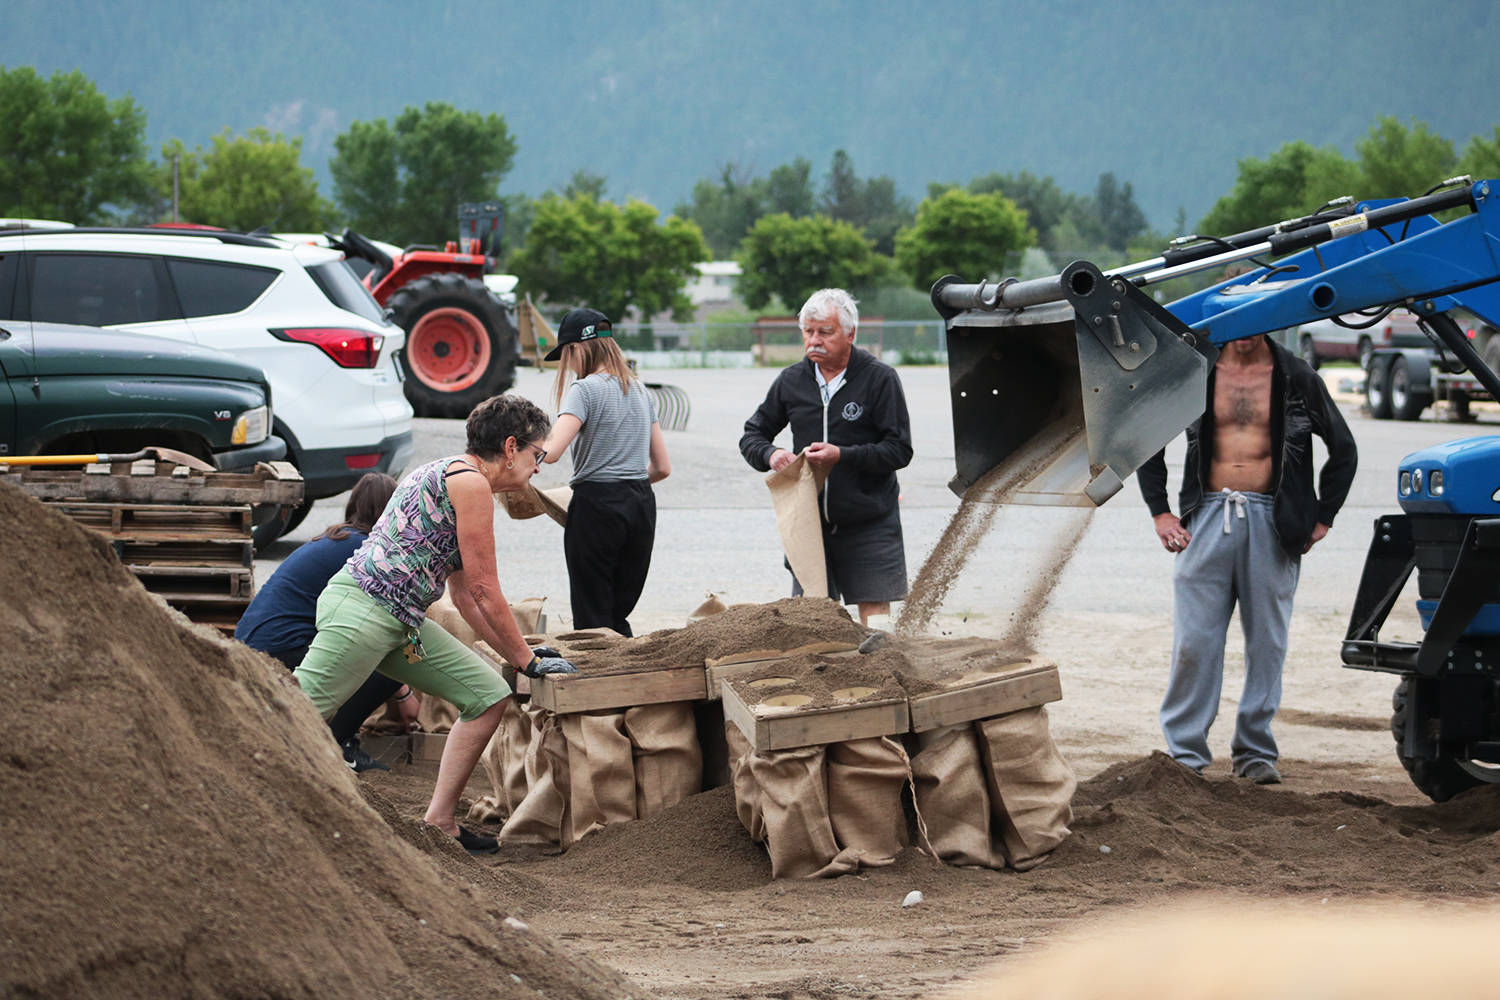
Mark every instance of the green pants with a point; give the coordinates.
(357, 635)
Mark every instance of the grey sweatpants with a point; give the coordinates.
(1234, 557)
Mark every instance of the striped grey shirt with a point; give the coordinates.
(615, 441)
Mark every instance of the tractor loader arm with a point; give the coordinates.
(1063, 386)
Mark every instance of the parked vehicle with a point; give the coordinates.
(80, 390)
(1356, 338)
(295, 311)
(462, 341)
(1404, 381)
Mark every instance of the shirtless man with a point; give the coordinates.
(1249, 512)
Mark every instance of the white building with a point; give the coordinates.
(715, 282)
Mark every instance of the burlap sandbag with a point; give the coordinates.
(794, 495)
(668, 759)
(601, 772)
(865, 779)
(746, 791)
(504, 762)
(1030, 784)
(952, 798)
(542, 816)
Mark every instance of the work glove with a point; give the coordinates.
(545, 653)
(543, 666)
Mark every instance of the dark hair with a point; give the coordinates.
(500, 418)
(366, 503)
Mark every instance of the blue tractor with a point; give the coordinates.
(1063, 386)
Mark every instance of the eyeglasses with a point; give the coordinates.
(541, 453)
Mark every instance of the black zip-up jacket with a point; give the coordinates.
(866, 418)
(1300, 408)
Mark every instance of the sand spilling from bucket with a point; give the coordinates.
(968, 526)
(178, 821)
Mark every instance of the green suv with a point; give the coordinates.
(80, 390)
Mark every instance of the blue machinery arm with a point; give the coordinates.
(1063, 386)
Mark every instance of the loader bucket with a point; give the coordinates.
(1057, 403)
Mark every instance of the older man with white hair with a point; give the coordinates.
(847, 412)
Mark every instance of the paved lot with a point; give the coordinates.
(716, 532)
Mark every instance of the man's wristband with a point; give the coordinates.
(408, 694)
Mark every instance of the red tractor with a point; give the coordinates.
(461, 340)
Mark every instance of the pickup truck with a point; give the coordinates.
(1329, 340)
(1404, 379)
(79, 390)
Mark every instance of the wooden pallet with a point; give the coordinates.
(189, 583)
(161, 483)
(776, 727)
(986, 693)
(722, 668)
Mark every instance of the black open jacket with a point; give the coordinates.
(1300, 408)
(866, 418)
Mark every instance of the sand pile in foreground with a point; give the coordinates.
(178, 821)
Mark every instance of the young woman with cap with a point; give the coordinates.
(618, 451)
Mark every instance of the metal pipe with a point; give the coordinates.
(992, 295)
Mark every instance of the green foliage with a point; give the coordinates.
(725, 210)
(1481, 157)
(973, 235)
(792, 258)
(589, 252)
(586, 185)
(244, 183)
(1295, 180)
(1120, 219)
(1395, 160)
(70, 153)
(872, 206)
(404, 183)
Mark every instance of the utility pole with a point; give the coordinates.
(174, 187)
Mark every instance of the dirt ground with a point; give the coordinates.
(683, 904)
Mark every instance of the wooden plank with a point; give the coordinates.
(276, 483)
(722, 667)
(769, 727)
(982, 695)
(427, 746)
(583, 692)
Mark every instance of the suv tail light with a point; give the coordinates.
(348, 348)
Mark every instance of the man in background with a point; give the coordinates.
(847, 412)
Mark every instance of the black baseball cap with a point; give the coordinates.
(579, 324)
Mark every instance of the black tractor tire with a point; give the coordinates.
(461, 347)
(1366, 352)
(1378, 388)
(1309, 351)
(1439, 779)
(1407, 401)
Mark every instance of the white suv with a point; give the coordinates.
(296, 311)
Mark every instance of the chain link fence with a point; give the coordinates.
(771, 342)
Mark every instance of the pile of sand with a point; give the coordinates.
(178, 821)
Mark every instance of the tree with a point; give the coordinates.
(403, 183)
(871, 206)
(585, 184)
(1396, 161)
(244, 183)
(584, 251)
(725, 210)
(1120, 219)
(972, 235)
(1295, 180)
(792, 258)
(70, 153)
(1046, 205)
(1481, 157)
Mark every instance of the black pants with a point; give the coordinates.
(607, 542)
(374, 692)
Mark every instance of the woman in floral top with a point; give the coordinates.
(437, 531)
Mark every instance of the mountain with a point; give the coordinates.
(657, 94)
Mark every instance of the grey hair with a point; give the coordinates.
(832, 300)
